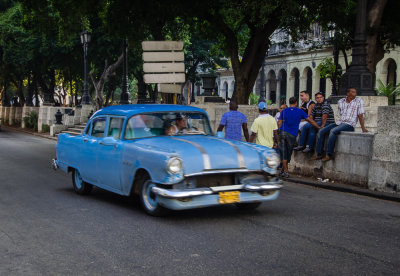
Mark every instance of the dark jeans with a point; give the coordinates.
(333, 130)
(286, 145)
(308, 134)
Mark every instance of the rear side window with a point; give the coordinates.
(115, 127)
(98, 127)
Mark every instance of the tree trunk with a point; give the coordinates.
(20, 92)
(246, 70)
(375, 49)
(99, 84)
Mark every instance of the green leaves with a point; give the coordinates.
(327, 69)
(389, 90)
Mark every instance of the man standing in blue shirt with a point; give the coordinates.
(234, 121)
(288, 124)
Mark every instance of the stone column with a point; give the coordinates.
(267, 90)
(290, 89)
(303, 85)
(278, 92)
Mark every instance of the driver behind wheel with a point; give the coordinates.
(180, 125)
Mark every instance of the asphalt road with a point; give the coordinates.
(46, 229)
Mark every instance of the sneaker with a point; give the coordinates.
(285, 175)
(316, 157)
(299, 148)
(307, 149)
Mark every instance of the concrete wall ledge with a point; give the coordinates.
(350, 164)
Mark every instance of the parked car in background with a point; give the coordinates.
(169, 156)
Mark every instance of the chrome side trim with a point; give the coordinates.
(206, 157)
(180, 193)
(222, 171)
(239, 154)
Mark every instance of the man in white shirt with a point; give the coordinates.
(350, 109)
(282, 107)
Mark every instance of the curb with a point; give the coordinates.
(28, 132)
(347, 189)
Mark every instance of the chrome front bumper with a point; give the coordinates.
(179, 194)
(205, 197)
(54, 164)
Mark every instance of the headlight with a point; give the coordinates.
(272, 160)
(174, 165)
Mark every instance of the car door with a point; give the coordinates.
(109, 155)
(88, 154)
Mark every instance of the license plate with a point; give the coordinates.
(229, 197)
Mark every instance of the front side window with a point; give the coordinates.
(98, 127)
(115, 127)
(167, 123)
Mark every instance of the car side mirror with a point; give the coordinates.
(108, 141)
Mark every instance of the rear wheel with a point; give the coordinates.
(248, 206)
(148, 199)
(80, 187)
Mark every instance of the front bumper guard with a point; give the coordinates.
(179, 194)
(54, 164)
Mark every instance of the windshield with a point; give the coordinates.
(167, 123)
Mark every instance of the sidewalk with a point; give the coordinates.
(341, 187)
(29, 131)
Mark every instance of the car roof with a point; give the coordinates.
(131, 109)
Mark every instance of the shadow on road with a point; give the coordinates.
(132, 203)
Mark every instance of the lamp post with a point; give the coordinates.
(358, 75)
(331, 34)
(192, 97)
(262, 82)
(124, 97)
(85, 39)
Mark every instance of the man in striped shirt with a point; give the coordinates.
(351, 109)
(322, 113)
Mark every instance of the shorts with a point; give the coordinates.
(286, 145)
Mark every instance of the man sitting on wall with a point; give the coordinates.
(350, 109)
(322, 114)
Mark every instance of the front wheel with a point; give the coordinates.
(80, 187)
(248, 206)
(148, 199)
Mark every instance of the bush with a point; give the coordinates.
(390, 91)
(45, 128)
(254, 98)
(16, 122)
(31, 121)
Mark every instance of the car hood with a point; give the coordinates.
(200, 152)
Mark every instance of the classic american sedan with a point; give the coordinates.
(169, 156)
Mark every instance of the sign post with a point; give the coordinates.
(164, 65)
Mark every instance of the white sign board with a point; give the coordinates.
(162, 45)
(164, 78)
(164, 67)
(170, 88)
(163, 56)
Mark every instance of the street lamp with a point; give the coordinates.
(124, 97)
(85, 39)
(262, 82)
(331, 34)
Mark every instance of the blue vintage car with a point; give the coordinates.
(169, 156)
